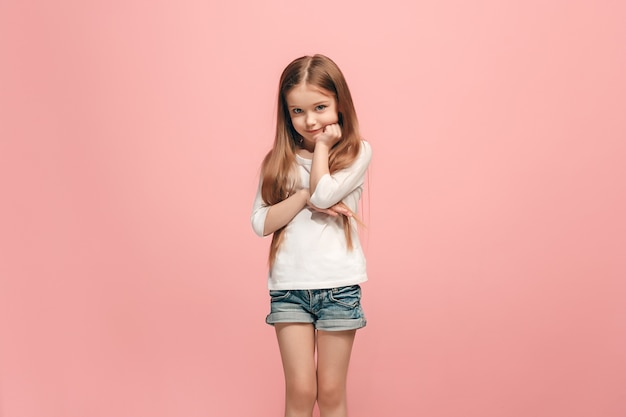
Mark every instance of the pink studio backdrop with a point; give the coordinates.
(131, 133)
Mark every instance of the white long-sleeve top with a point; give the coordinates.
(314, 253)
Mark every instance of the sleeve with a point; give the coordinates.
(259, 213)
(331, 189)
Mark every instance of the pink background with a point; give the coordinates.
(131, 133)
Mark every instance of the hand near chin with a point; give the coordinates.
(330, 135)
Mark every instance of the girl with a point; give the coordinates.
(311, 183)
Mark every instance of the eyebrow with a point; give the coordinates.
(314, 104)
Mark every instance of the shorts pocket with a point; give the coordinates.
(349, 296)
(278, 295)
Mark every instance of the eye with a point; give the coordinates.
(297, 111)
(321, 107)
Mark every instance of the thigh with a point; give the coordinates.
(333, 356)
(297, 350)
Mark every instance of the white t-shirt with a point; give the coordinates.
(314, 253)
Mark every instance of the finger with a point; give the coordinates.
(333, 130)
(330, 129)
(343, 210)
(339, 209)
(325, 211)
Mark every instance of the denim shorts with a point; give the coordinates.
(330, 309)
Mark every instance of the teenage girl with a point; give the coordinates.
(311, 183)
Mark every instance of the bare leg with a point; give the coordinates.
(297, 350)
(333, 357)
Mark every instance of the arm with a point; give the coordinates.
(281, 213)
(331, 189)
(267, 219)
(319, 166)
(323, 143)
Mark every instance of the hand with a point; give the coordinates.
(334, 211)
(329, 136)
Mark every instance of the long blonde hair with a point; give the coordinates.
(278, 171)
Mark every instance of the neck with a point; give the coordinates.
(305, 152)
(307, 146)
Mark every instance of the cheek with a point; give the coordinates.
(297, 124)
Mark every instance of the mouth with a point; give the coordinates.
(312, 132)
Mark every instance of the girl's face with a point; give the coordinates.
(311, 109)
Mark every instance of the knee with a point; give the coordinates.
(330, 394)
(301, 394)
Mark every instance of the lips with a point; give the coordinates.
(312, 132)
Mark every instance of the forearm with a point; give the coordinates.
(281, 213)
(333, 188)
(319, 166)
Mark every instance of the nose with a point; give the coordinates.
(310, 120)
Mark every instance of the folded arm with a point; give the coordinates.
(268, 219)
(330, 189)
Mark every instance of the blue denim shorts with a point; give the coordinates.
(330, 309)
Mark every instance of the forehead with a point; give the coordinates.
(305, 94)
